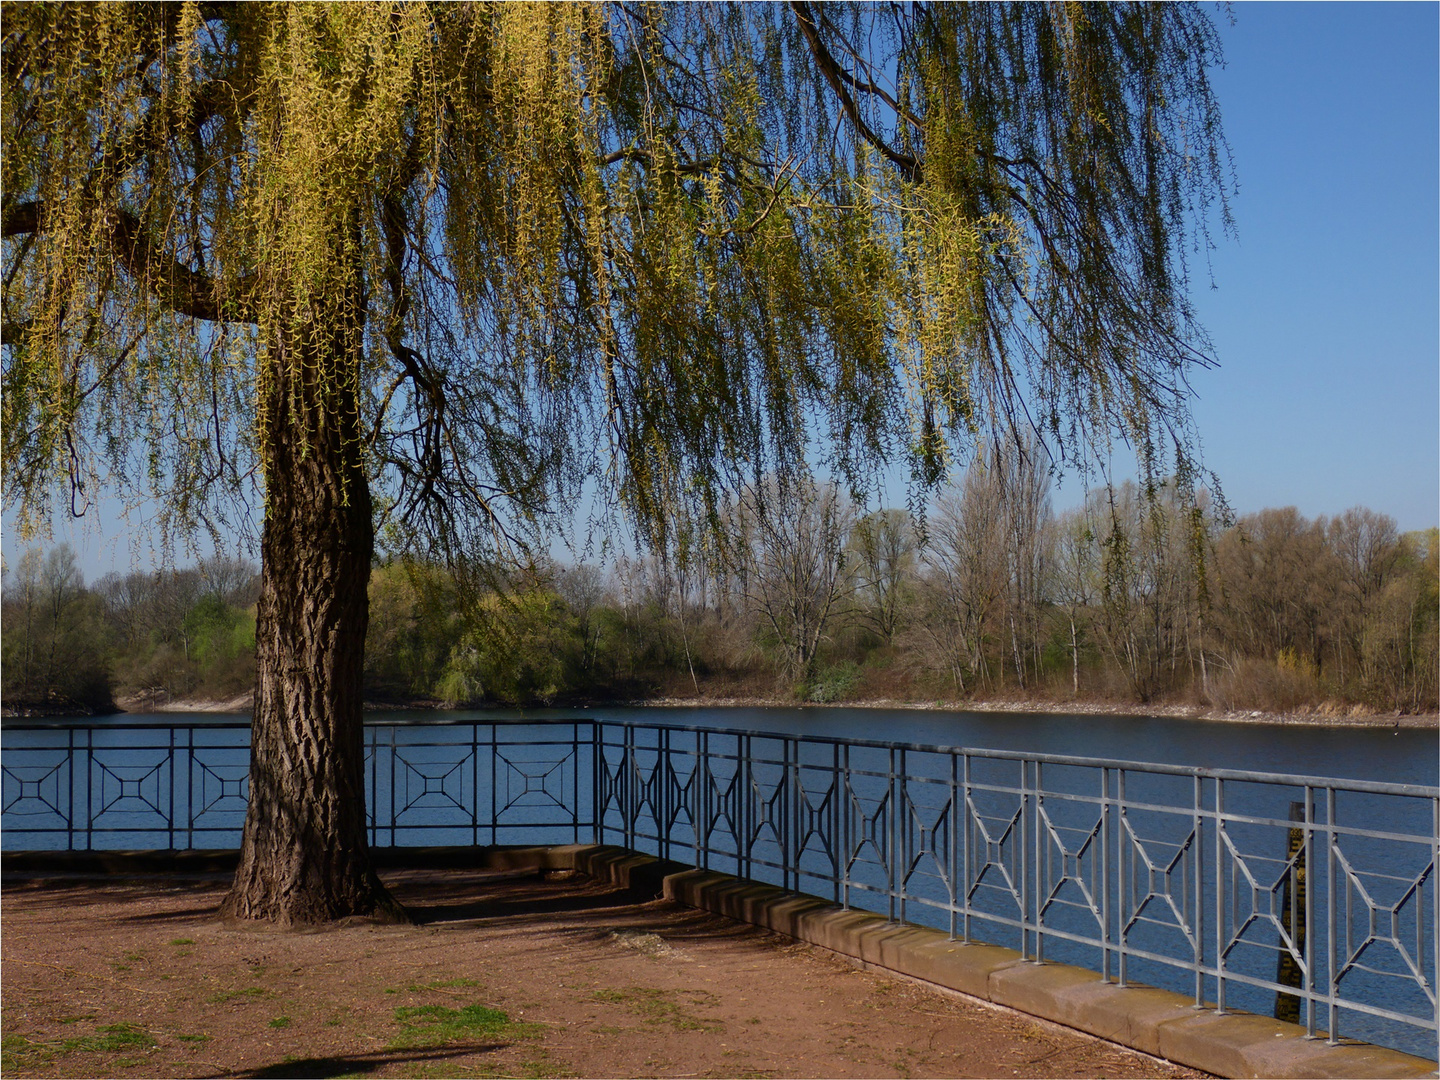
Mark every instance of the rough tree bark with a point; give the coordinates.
(304, 857)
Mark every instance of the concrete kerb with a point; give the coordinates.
(1153, 1021)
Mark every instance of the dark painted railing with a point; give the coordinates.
(1233, 886)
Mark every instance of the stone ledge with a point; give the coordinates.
(1153, 1021)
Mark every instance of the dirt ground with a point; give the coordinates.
(501, 975)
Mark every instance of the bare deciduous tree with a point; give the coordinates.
(786, 548)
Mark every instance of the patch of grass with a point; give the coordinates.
(75, 1019)
(108, 1039)
(182, 941)
(16, 1052)
(425, 1026)
(251, 992)
(202, 1038)
(134, 956)
(279, 1022)
(660, 1007)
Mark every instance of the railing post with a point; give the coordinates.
(89, 789)
(746, 810)
(790, 807)
(892, 856)
(847, 824)
(474, 779)
(702, 798)
(1107, 939)
(1308, 900)
(170, 816)
(1334, 903)
(597, 808)
(957, 821)
(1220, 834)
(1197, 825)
(837, 809)
(906, 831)
(969, 853)
(1042, 861)
(1122, 871)
(665, 808)
(1023, 844)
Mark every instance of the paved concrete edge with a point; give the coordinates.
(1153, 1021)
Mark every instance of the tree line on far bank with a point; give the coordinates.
(1132, 598)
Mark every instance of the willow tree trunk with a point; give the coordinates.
(304, 857)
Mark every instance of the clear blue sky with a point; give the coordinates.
(1326, 314)
(1326, 309)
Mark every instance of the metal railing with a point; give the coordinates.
(1242, 889)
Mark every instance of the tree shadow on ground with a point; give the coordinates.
(353, 1064)
(534, 898)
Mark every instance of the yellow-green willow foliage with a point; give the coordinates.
(516, 246)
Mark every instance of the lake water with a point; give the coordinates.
(1406, 756)
(1403, 755)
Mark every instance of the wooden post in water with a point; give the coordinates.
(1292, 902)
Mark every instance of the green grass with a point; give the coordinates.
(661, 1007)
(16, 1052)
(193, 1038)
(19, 1053)
(182, 941)
(279, 1022)
(108, 1039)
(423, 1026)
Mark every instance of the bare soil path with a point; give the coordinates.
(502, 975)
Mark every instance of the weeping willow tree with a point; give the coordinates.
(419, 272)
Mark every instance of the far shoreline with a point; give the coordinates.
(1326, 716)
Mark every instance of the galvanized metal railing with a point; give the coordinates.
(1242, 889)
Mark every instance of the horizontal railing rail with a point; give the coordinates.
(1303, 895)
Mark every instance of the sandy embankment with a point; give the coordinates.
(1331, 716)
(156, 703)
